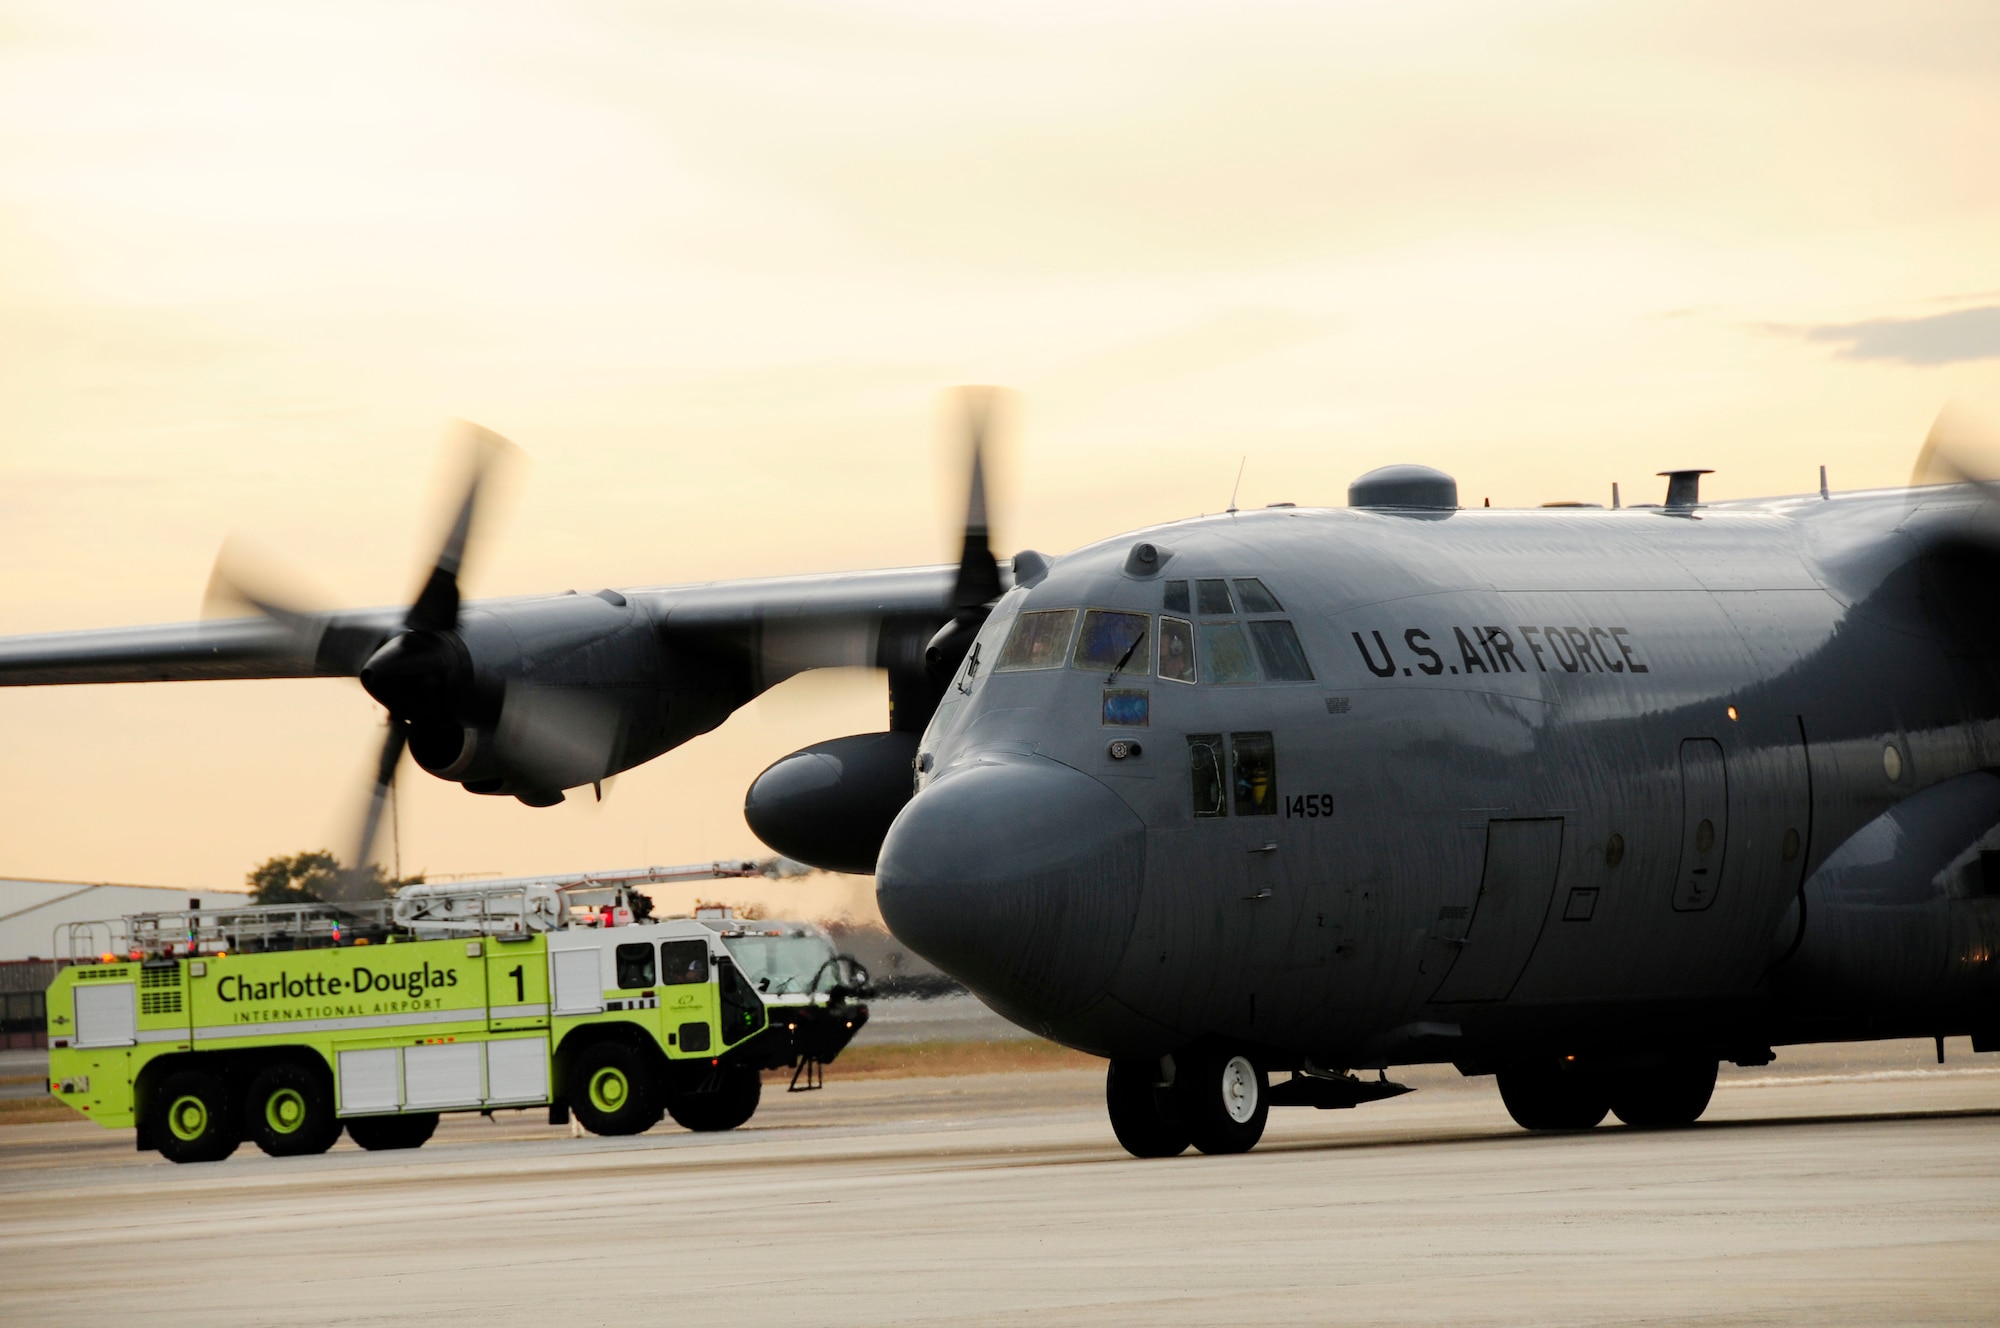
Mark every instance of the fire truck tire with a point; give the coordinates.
(611, 1090)
(288, 1111)
(1223, 1098)
(724, 1107)
(193, 1118)
(1553, 1095)
(1144, 1115)
(381, 1133)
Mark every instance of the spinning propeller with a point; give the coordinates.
(419, 673)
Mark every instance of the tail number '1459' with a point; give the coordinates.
(1309, 805)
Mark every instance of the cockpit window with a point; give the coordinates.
(1278, 647)
(1213, 596)
(1115, 641)
(1225, 653)
(1037, 641)
(1253, 770)
(1176, 650)
(1255, 598)
(1177, 597)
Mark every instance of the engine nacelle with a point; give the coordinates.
(829, 805)
(546, 695)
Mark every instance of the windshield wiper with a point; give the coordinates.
(1125, 658)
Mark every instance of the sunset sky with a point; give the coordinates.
(714, 267)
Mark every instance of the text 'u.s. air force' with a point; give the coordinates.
(1491, 649)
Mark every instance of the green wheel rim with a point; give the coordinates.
(609, 1089)
(188, 1118)
(285, 1111)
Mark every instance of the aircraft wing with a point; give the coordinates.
(878, 619)
(331, 646)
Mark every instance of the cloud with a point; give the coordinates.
(1965, 334)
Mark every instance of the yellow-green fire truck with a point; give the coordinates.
(287, 1024)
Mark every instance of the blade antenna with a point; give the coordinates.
(1238, 486)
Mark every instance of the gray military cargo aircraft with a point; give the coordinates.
(1590, 800)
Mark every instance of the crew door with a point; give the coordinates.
(1515, 887)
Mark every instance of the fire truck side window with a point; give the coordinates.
(683, 962)
(635, 966)
(1253, 769)
(742, 1012)
(1205, 765)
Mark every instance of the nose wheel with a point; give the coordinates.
(1216, 1099)
(1143, 1113)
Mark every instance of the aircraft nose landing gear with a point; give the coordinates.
(1217, 1099)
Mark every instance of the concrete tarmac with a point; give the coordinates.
(1838, 1187)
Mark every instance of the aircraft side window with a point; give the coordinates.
(1213, 596)
(1120, 641)
(683, 963)
(1205, 765)
(1253, 773)
(1176, 650)
(1037, 641)
(1278, 649)
(635, 965)
(1176, 600)
(1250, 592)
(1225, 653)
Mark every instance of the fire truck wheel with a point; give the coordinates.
(1223, 1098)
(378, 1133)
(610, 1090)
(288, 1111)
(1553, 1094)
(1144, 1115)
(732, 1101)
(193, 1119)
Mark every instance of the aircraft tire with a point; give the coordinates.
(1144, 1116)
(1222, 1097)
(1663, 1097)
(382, 1133)
(1553, 1095)
(193, 1118)
(727, 1106)
(611, 1090)
(288, 1111)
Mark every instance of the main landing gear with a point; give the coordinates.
(1216, 1098)
(1563, 1093)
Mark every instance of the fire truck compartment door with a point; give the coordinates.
(444, 1075)
(107, 1015)
(371, 1080)
(579, 986)
(517, 1070)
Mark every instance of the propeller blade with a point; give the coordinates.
(978, 580)
(1948, 455)
(393, 743)
(436, 606)
(233, 587)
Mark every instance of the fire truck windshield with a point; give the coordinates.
(785, 965)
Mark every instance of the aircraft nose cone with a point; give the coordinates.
(1020, 877)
